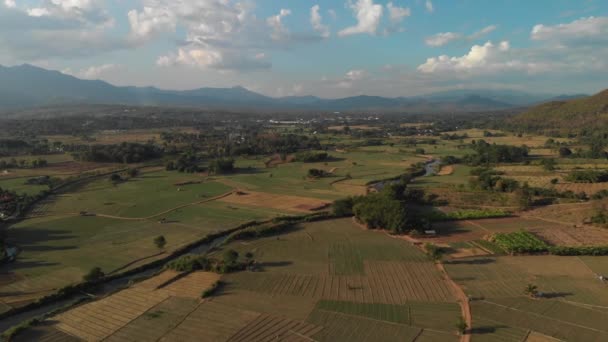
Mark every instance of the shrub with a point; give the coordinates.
(311, 156)
(212, 290)
(94, 275)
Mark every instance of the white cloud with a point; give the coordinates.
(317, 22)
(481, 58)
(279, 31)
(38, 12)
(150, 21)
(582, 30)
(429, 6)
(355, 75)
(368, 17)
(332, 14)
(397, 14)
(443, 38)
(10, 3)
(93, 72)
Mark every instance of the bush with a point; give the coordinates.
(95, 274)
(520, 242)
(588, 176)
(212, 290)
(468, 214)
(311, 157)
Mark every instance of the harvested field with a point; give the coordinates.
(590, 327)
(572, 236)
(538, 337)
(211, 322)
(157, 321)
(446, 170)
(274, 201)
(292, 307)
(192, 285)
(588, 188)
(272, 328)
(340, 327)
(100, 319)
(45, 333)
(386, 282)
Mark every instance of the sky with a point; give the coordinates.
(329, 48)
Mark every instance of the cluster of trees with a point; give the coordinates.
(256, 144)
(493, 154)
(453, 136)
(13, 204)
(23, 164)
(187, 162)
(311, 156)
(394, 208)
(221, 165)
(491, 180)
(316, 173)
(121, 153)
(587, 176)
(230, 262)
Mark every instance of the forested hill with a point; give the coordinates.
(588, 113)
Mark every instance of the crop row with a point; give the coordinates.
(520, 242)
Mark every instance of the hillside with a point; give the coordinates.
(566, 116)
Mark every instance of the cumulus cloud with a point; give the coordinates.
(444, 38)
(582, 30)
(150, 21)
(10, 3)
(316, 20)
(429, 6)
(368, 16)
(396, 13)
(276, 23)
(86, 11)
(481, 58)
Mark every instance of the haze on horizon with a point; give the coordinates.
(333, 48)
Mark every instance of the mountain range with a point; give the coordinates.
(27, 86)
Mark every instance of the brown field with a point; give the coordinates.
(100, 319)
(274, 201)
(155, 323)
(272, 328)
(568, 214)
(446, 170)
(572, 236)
(588, 188)
(211, 322)
(350, 189)
(384, 282)
(192, 285)
(538, 337)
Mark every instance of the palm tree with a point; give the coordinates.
(531, 290)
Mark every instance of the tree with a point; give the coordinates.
(564, 151)
(115, 178)
(230, 256)
(133, 172)
(548, 164)
(160, 242)
(462, 326)
(524, 197)
(531, 290)
(94, 274)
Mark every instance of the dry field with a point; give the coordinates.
(588, 188)
(446, 170)
(572, 236)
(274, 201)
(102, 318)
(273, 328)
(384, 282)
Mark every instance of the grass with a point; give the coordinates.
(147, 195)
(19, 186)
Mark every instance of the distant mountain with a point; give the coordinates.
(28, 86)
(589, 112)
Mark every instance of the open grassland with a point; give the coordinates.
(509, 138)
(20, 186)
(148, 195)
(277, 202)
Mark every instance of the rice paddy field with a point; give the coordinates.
(308, 288)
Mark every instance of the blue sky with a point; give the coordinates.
(329, 48)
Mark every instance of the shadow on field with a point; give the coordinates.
(270, 264)
(34, 239)
(552, 295)
(487, 329)
(483, 261)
